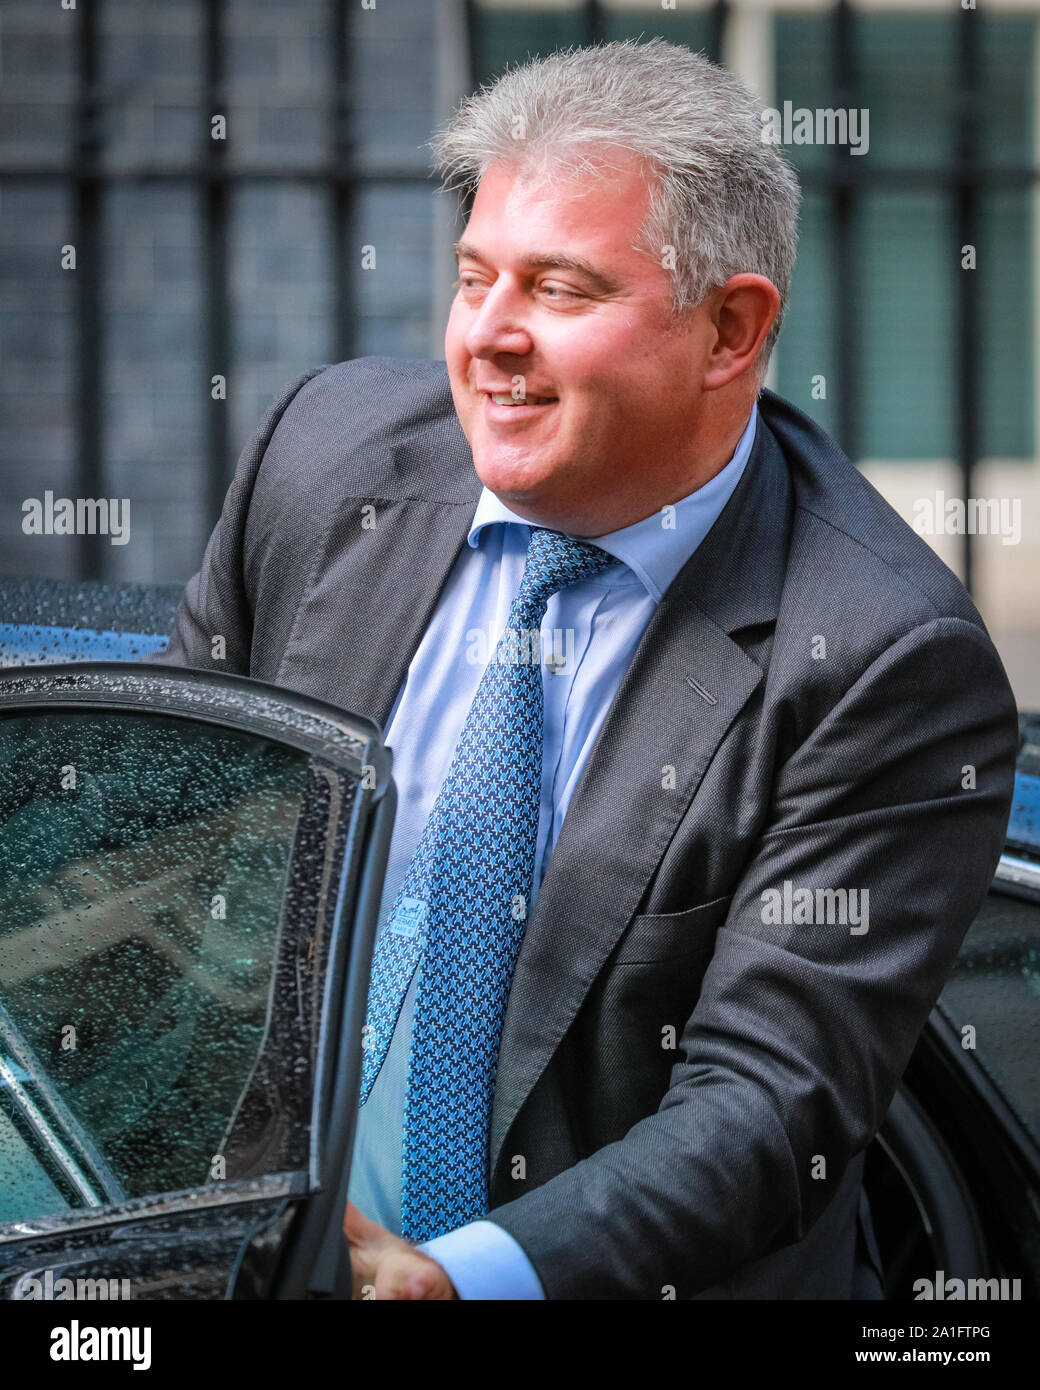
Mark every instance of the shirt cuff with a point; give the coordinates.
(483, 1261)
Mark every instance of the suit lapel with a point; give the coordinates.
(687, 682)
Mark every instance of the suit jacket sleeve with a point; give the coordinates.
(216, 601)
(801, 1031)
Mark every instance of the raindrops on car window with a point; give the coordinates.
(144, 861)
(991, 1000)
(46, 621)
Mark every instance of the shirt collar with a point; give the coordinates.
(654, 552)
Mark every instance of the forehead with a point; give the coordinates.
(558, 209)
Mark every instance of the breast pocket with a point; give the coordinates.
(662, 936)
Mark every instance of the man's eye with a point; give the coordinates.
(555, 293)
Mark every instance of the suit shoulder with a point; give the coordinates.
(862, 553)
(862, 590)
(379, 428)
(406, 376)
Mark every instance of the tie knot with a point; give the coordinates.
(554, 562)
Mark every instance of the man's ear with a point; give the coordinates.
(742, 312)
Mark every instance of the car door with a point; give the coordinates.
(954, 1179)
(190, 871)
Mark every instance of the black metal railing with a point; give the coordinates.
(843, 178)
(216, 176)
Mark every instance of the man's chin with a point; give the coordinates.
(515, 485)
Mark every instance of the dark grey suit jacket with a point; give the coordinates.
(684, 1091)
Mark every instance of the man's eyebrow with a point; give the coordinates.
(549, 261)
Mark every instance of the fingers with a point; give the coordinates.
(385, 1266)
(406, 1275)
(360, 1229)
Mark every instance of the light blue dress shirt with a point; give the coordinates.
(590, 631)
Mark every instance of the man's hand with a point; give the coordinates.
(389, 1265)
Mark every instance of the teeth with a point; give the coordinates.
(505, 398)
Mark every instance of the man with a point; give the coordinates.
(666, 910)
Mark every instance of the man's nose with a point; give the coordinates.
(499, 325)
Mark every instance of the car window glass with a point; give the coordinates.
(993, 998)
(143, 867)
(25, 1188)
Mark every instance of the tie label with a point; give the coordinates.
(409, 917)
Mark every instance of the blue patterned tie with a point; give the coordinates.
(462, 912)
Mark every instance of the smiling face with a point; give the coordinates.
(552, 292)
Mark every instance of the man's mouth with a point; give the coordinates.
(507, 398)
(505, 409)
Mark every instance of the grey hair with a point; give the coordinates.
(725, 199)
